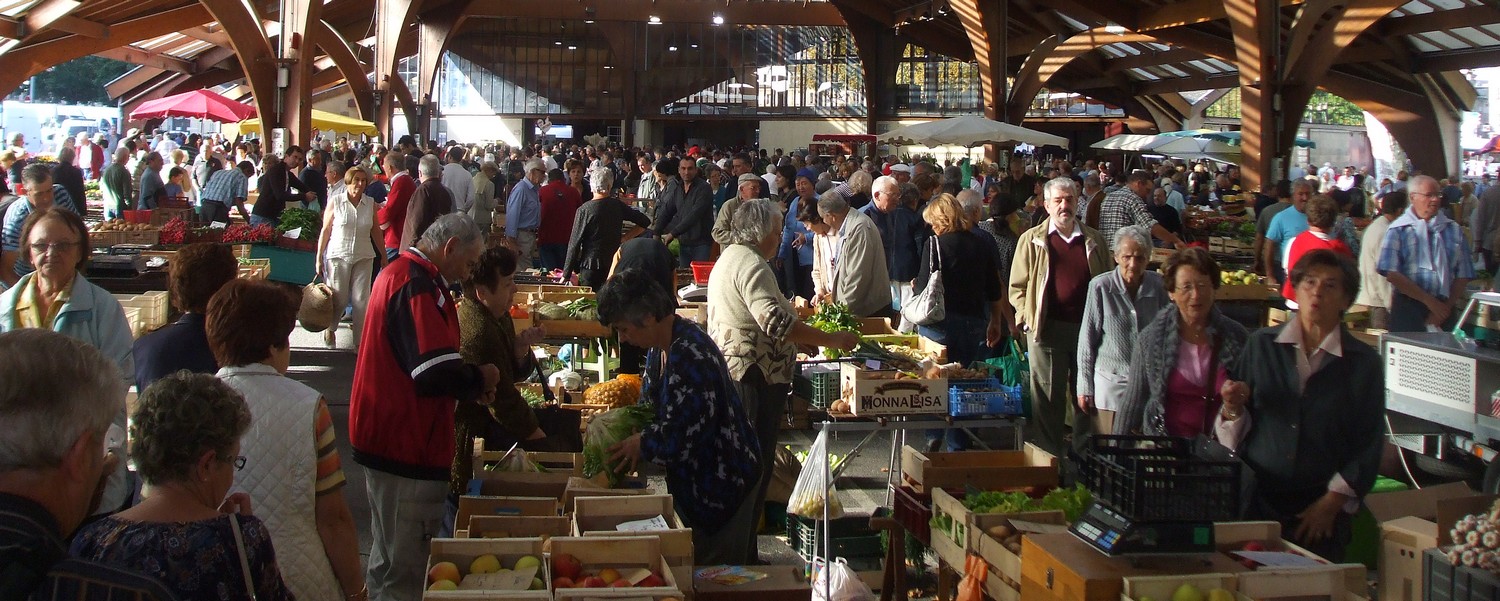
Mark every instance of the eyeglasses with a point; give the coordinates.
(41, 248)
(1200, 287)
(238, 461)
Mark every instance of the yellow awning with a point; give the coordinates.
(321, 121)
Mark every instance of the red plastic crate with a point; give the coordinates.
(701, 269)
(914, 511)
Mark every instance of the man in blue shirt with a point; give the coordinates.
(153, 190)
(1426, 258)
(795, 257)
(224, 188)
(1284, 227)
(523, 213)
(902, 232)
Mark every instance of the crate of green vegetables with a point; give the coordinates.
(963, 518)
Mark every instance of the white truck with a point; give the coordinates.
(45, 124)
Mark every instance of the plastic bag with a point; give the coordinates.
(808, 494)
(971, 588)
(842, 583)
(1013, 369)
(604, 431)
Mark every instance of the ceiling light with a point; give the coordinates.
(588, 21)
(588, 15)
(693, 45)
(654, 20)
(671, 49)
(557, 43)
(572, 47)
(718, 19)
(609, 66)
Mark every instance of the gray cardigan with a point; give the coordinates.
(1143, 409)
(1111, 320)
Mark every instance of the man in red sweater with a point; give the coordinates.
(407, 378)
(1321, 211)
(392, 214)
(560, 203)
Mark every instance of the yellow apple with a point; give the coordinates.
(527, 561)
(485, 564)
(443, 585)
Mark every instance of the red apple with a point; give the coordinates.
(652, 580)
(566, 565)
(562, 582)
(1254, 545)
(621, 583)
(594, 582)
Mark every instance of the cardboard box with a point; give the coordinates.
(1162, 587)
(982, 470)
(1061, 567)
(621, 553)
(871, 391)
(782, 583)
(469, 506)
(516, 526)
(599, 516)
(1408, 525)
(463, 552)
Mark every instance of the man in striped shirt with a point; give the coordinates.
(58, 396)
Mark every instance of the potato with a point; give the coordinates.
(1001, 532)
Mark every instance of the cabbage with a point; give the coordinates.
(604, 431)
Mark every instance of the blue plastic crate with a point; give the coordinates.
(969, 398)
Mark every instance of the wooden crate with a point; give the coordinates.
(112, 238)
(883, 392)
(599, 516)
(1248, 292)
(463, 551)
(515, 526)
(573, 328)
(564, 464)
(255, 269)
(471, 505)
(161, 215)
(968, 528)
(1162, 587)
(1061, 567)
(983, 470)
(1340, 582)
(1005, 566)
(621, 553)
(1231, 536)
(581, 487)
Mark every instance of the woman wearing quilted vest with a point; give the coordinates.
(292, 466)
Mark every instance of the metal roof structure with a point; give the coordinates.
(1398, 59)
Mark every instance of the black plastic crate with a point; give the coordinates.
(1159, 478)
(852, 537)
(1447, 582)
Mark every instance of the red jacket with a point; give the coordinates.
(408, 374)
(1304, 243)
(560, 204)
(393, 212)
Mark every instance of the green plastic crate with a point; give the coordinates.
(1364, 542)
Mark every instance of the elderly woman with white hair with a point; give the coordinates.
(597, 231)
(758, 330)
(1121, 303)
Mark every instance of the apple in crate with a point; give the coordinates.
(443, 585)
(444, 570)
(485, 564)
(651, 580)
(566, 566)
(594, 582)
(562, 582)
(527, 561)
(621, 583)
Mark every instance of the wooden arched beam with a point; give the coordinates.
(1426, 128)
(391, 19)
(1051, 56)
(356, 74)
(984, 23)
(243, 25)
(20, 63)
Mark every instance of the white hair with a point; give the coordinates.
(887, 183)
(1059, 182)
(535, 165)
(830, 202)
(53, 390)
(601, 179)
(971, 201)
(448, 227)
(1140, 235)
(429, 166)
(753, 221)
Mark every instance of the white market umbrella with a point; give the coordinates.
(1129, 142)
(1195, 148)
(968, 131)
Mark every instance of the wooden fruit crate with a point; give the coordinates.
(463, 552)
(255, 269)
(622, 554)
(1163, 587)
(1005, 565)
(599, 516)
(515, 526)
(983, 470)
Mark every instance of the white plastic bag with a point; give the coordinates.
(808, 494)
(842, 583)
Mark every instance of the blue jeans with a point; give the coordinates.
(257, 220)
(686, 254)
(964, 337)
(553, 255)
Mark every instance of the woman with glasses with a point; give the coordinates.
(1182, 359)
(57, 297)
(294, 473)
(189, 533)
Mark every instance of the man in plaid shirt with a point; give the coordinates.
(226, 187)
(1426, 257)
(1127, 206)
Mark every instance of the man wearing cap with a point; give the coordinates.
(747, 186)
(902, 173)
(523, 213)
(742, 164)
(686, 214)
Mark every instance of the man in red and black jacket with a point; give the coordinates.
(407, 377)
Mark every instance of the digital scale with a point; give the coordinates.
(115, 266)
(1114, 534)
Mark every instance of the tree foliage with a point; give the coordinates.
(1322, 108)
(79, 81)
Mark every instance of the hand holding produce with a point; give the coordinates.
(605, 431)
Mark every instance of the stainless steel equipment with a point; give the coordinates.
(1443, 393)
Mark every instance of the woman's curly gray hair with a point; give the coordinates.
(178, 418)
(601, 179)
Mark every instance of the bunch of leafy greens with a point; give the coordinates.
(1071, 501)
(606, 429)
(533, 398)
(833, 318)
(308, 220)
